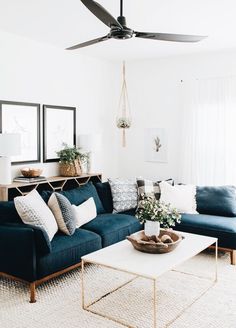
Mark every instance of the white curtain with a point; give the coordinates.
(208, 155)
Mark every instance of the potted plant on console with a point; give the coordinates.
(70, 160)
(154, 213)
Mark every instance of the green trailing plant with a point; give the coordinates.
(68, 155)
(151, 209)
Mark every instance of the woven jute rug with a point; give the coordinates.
(184, 299)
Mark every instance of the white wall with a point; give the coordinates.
(34, 72)
(155, 95)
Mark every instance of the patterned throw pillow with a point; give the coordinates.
(124, 194)
(63, 213)
(33, 210)
(148, 188)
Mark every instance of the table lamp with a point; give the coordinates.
(10, 145)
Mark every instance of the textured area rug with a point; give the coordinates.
(180, 304)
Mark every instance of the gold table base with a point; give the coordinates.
(86, 307)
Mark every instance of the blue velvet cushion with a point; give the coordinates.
(79, 195)
(113, 227)
(104, 192)
(67, 251)
(216, 200)
(223, 228)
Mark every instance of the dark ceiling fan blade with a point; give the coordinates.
(89, 43)
(170, 37)
(101, 13)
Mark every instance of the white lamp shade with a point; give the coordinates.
(10, 144)
(90, 142)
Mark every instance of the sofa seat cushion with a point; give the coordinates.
(223, 228)
(129, 212)
(113, 227)
(67, 251)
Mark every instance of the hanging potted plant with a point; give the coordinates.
(123, 120)
(70, 160)
(154, 213)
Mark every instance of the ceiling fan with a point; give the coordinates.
(119, 30)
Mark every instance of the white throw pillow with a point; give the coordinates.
(33, 210)
(181, 197)
(85, 212)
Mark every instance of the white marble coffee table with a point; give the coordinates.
(123, 257)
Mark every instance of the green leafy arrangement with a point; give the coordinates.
(150, 209)
(68, 155)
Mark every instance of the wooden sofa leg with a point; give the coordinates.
(32, 292)
(233, 257)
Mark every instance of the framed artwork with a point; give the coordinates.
(59, 127)
(155, 145)
(22, 118)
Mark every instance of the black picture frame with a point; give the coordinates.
(27, 125)
(48, 148)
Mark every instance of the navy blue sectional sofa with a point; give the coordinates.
(27, 255)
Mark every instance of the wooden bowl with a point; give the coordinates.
(31, 172)
(152, 247)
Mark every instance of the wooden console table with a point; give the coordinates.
(9, 192)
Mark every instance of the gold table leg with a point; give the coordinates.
(86, 307)
(82, 281)
(216, 259)
(154, 304)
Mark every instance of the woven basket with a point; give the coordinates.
(70, 169)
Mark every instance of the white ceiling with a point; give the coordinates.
(63, 23)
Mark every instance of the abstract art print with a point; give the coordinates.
(155, 145)
(59, 128)
(24, 119)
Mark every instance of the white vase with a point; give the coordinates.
(152, 228)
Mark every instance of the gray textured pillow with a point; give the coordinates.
(63, 213)
(124, 194)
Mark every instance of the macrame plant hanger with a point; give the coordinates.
(123, 120)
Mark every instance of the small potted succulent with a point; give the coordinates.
(154, 213)
(70, 160)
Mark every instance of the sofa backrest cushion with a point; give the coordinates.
(8, 213)
(104, 192)
(219, 201)
(79, 195)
